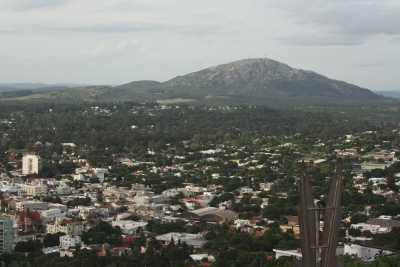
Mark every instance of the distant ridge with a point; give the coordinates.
(394, 93)
(25, 86)
(244, 82)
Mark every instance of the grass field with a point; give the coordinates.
(174, 100)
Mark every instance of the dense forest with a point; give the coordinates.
(86, 126)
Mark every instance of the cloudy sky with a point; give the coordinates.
(119, 41)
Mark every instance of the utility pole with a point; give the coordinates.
(310, 213)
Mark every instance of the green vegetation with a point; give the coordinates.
(252, 145)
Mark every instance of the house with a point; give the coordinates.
(67, 252)
(104, 210)
(87, 212)
(147, 211)
(199, 257)
(195, 240)
(129, 227)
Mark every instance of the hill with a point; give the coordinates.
(394, 93)
(264, 77)
(37, 86)
(243, 82)
(138, 85)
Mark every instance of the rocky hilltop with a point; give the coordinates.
(264, 76)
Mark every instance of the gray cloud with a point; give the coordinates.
(379, 63)
(318, 40)
(342, 22)
(190, 29)
(27, 5)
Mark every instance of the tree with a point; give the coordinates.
(354, 232)
(52, 240)
(28, 246)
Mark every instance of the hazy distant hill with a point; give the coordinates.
(35, 86)
(243, 82)
(394, 93)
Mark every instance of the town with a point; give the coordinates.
(185, 196)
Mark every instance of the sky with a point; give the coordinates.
(119, 41)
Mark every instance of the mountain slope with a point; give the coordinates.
(264, 76)
(138, 85)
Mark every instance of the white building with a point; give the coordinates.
(67, 226)
(67, 241)
(147, 211)
(148, 198)
(35, 188)
(50, 214)
(365, 253)
(129, 227)
(32, 205)
(10, 186)
(199, 257)
(373, 228)
(31, 164)
(86, 212)
(67, 252)
(195, 240)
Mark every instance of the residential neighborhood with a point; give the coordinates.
(196, 193)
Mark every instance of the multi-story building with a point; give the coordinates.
(63, 190)
(67, 241)
(149, 198)
(67, 226)
(51, 214)
(32, 205)
(147, 211)
(31, 164)
(35, 187)
(6, 234)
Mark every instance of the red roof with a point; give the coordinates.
(127, 239)
(34, 215)
(66, 221)
(120, 249)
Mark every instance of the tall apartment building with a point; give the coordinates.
(31, 164)
(6, 234)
